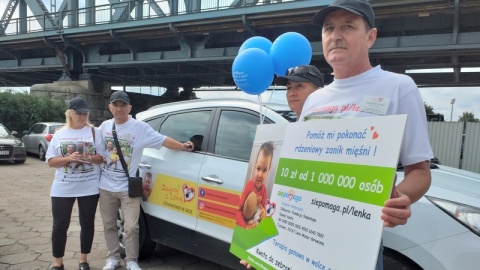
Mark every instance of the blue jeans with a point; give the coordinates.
(380, 258)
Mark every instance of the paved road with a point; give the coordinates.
(26, 225)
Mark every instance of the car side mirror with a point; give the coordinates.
(14, 133)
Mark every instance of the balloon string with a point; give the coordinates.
(262, 115)
(271, 95)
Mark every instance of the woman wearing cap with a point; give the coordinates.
(301, 81)
(81, 185)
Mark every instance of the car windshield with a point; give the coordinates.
(4, 131)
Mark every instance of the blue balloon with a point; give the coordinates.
(252, 71)
(289, 50)
(256, 42)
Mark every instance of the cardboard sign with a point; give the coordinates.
(331, 180)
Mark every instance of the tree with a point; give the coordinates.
(431, 115)
(428, 108)
(19, 111)
(468, 117)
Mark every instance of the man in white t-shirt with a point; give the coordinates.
(348, 31)
(135, 135)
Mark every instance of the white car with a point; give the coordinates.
(443, 232)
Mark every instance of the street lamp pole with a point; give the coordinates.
(451, 112)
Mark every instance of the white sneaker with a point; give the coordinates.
(133, 265)
(111, 264)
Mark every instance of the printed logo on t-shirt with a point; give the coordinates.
(331, 111)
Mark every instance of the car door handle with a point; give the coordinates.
(212, 178)
(144, 166)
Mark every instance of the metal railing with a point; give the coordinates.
(120, 12)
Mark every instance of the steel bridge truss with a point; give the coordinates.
(174, 43)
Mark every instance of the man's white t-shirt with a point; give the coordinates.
(133, 136)
(344, 98)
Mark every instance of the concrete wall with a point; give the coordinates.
(67, 90)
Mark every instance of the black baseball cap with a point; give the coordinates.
(307, 73)
(121, 96)
(79, 105)
(358, 7)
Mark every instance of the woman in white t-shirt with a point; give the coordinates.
(75, 151)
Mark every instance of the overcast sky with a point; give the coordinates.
(467, 99)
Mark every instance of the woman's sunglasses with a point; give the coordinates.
(300, 71)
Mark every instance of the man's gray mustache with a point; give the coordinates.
(336, 47)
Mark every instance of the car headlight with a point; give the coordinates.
(18, 143)
(467, 215)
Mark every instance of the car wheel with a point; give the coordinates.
(146, 245)
(41, 153)
(121, 231)
(395, 261)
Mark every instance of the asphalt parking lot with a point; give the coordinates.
(26, 224)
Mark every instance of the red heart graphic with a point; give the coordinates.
(372, 127)
(375, 135)
(270, 208)
(188, 193)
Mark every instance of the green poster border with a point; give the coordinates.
(308, 173)
(257, 263)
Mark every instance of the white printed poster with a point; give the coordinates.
(330, 181)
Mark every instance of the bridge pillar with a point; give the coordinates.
(66, 90)
(97, 94)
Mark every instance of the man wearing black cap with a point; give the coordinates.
(348, 31)
(301, 81)
(134, 135)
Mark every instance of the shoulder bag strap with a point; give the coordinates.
(93, 134)
(119, 151)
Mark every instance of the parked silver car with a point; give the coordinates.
(11, 147)
(37, 138)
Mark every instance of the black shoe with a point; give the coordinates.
(84, 266)
(57, 268)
